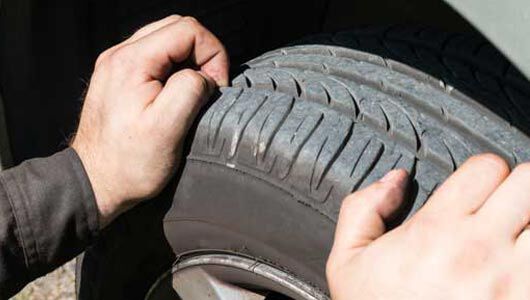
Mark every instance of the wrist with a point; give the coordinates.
(109, 202)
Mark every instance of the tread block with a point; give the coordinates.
(300, 124)
(317, 155)
(260, 131)
(324, 120)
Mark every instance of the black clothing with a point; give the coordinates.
(48, 215)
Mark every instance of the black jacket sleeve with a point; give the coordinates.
(48, 215)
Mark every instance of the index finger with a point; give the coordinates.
(507, 211)
(175, 43)
(466, 190)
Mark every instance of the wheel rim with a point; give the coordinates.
(226, 277)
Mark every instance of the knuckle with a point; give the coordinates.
(192, 79)
(382, 190)
(121, 53)
(190, 20)
(173, 17)
(103, 57)
(121, 58)
(141, 30)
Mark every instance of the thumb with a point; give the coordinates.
(363, 214)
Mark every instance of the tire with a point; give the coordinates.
(302, 127)
(464, 62)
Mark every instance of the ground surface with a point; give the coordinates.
(59, 285)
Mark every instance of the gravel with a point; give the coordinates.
(58, 285)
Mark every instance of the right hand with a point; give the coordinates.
(470, 240)
(139, 107)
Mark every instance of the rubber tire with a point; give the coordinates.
(225, 201)
(304, 126)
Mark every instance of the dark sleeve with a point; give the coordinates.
(48, 215)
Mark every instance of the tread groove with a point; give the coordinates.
(394, 165)
(336, 155)
(370, 168)
(354, 115)
(387, 120)
(451, 155)
(313, 168)
(260, 132)
(218, 129)
(392, 91)
(354, 166)
(252, 115)
(304, 141)
(275, 131)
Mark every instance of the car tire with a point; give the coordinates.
(306, 125)
(303, 126)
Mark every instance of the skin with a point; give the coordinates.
(140, 105)
(470, 241)
(138, 109)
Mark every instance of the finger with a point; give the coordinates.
(177, 42)
(152, 27)
(182, 97)
(363, 214)
(507, 211)
(469, 187)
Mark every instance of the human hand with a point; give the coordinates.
(469, 241)
(137, 111)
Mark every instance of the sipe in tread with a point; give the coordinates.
(323, 120)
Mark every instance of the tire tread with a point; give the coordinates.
(325, 120)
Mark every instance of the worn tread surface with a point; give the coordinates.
(466, 62)
(325, 120)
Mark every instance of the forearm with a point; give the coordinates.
(48, 215)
